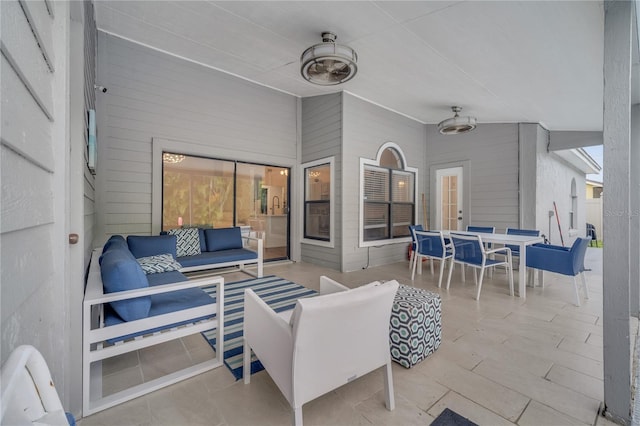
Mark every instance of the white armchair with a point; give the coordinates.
(330, 340)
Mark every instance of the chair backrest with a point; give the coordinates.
(485, 229)
(468, 248)
(340, 337)
(28, 393)
(516, 231)
(413, 229)
(591, 231)
(578, 251)
(430, 243)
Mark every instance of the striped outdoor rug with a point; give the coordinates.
(277, 292)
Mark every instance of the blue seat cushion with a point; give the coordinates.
(165, 303)
(222, 256)
(223, 239)
(165, 278)
(116, 242)
(144, 246)
(120, 271)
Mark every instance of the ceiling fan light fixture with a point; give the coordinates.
(456, 124)
(328, 63)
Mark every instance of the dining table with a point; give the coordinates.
(522, 241)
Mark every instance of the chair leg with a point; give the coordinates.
(412, 258)
(390, 401)
(575, 287)
(584, 284)
(246, 367)
(442, 265)
(479, 282)
(463, 267)
(450, 272)
(297, 416)
(510, 271)
(431, 263)
(475, 275)
(413, 270)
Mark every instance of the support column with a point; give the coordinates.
(616, 221)
(634, 235)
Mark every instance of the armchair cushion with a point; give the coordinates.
(143, 246)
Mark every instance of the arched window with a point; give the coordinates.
(388, 196)
(573, 214)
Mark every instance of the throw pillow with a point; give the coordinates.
(159, 263)
(188, 241)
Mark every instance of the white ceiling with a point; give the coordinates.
(515, 61)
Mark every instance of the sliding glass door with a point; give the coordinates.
(207, 192)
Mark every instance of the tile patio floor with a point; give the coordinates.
(503, 360)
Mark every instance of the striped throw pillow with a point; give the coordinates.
(158, 263)
(188, 241)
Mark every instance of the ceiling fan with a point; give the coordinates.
(328, 63)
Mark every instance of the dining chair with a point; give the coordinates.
(412, 229)
(486, 230)
(470, 251)
(515, 249)
(432, 245)
(561, 260)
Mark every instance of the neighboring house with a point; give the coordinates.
(510, 178)
(593, 204)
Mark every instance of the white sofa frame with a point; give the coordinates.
(241, 264)
(95, 334)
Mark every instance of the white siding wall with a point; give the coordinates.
(322, 138)
(553, 183)
(154, 95)
(34, 150)
(89, 184)
(491, 181)
(366, 127)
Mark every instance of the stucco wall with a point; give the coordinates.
(553, 183)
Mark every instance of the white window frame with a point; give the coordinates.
(369, 162)
(303, 179)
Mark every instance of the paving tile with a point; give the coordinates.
(121, 380)
(416, 387)
(579, 382)
(568, 359)
(485, 392)
(162, 359)
(538, 414)
(375, 412)
(558, 397)
(581, 348)
(468, 409)
(120, 362)
(580, 325)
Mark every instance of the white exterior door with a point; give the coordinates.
(449, 199)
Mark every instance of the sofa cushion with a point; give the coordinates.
(164, 303)
(116, 242)
(165, 278)
(188, 241)
(223, 238)
(120, 272)
(159, 263)
(222, 256)
(143, 246)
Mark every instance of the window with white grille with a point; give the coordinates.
(388, 199)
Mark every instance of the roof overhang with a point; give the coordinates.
(579, 159)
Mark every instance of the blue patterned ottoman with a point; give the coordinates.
(415, 325)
